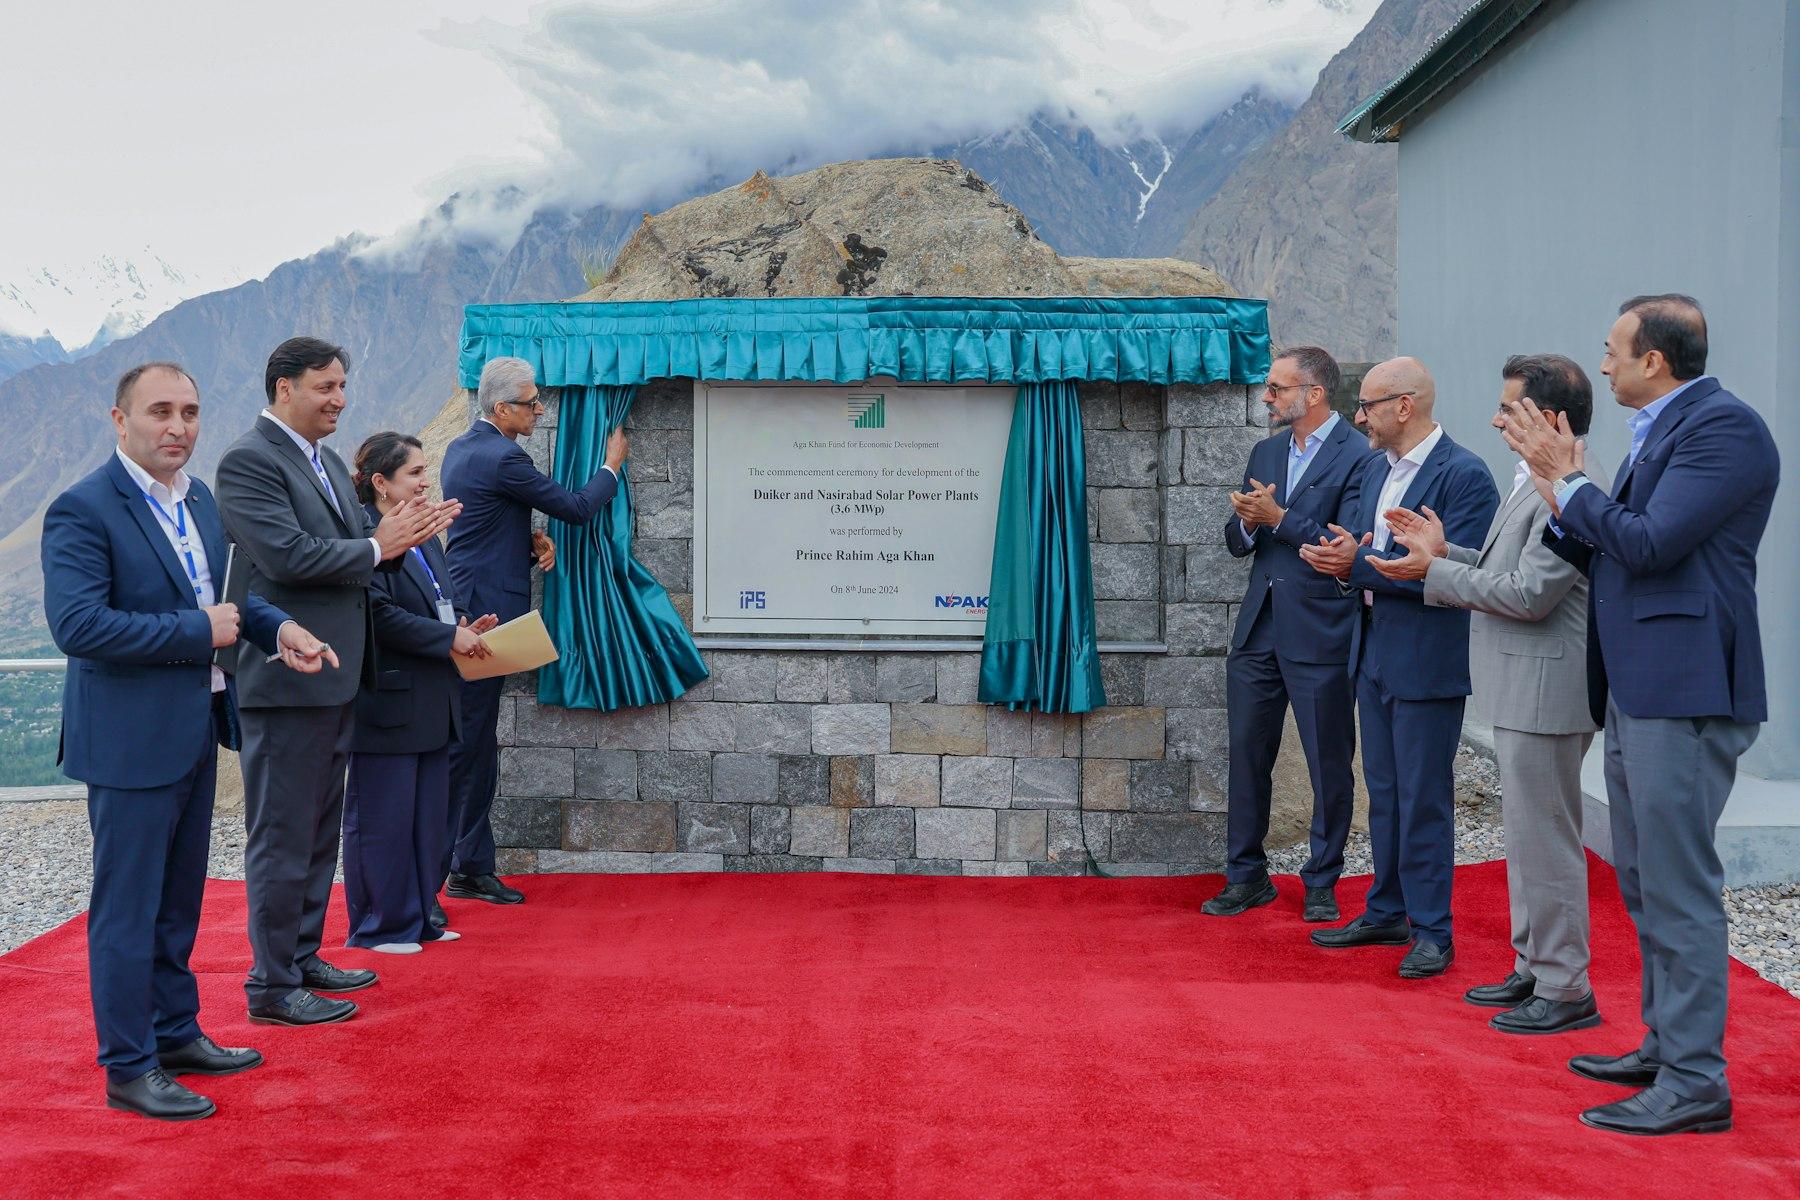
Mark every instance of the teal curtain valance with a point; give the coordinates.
(928, 339)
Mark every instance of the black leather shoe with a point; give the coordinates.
(1426, 959)
(203, 1056)
(1630, 1069)
(158, 1097)
(303, 1008)
(1541, 1015)
(1321, 904)
(437, 917)
(321, 976)
(1240, 898)
(482, 887)
(1510, 992)
(1356, 933)
(1656, 1111)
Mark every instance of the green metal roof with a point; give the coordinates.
(1482, 27)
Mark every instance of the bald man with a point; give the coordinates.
(1409, 664)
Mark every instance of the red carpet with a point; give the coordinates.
(796, 1035)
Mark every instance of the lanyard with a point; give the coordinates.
(429, 573)
(178, 523)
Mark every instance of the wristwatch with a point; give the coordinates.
(1562, 486)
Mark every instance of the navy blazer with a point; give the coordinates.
(1420, 652)
(490, 543)
(1672, 560)
(1314, 618)
(415, 706)
(137, 696)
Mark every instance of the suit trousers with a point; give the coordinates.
(1260, 683)
(1546, 864)
(294, 762)
(1667, 780)
(150, 847)
(1409, 764)
(474, 776)
(396, 822)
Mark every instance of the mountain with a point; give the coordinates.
(1308, 218)
(18, 351)
(87, 305)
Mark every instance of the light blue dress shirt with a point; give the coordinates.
(1298, 460)
(1641, 422)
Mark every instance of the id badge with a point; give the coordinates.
(446, 612)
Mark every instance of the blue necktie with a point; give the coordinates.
(324, 478)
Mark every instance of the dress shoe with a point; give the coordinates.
(482, 887)
(1510, 992)
(1359, 933)
(1630, 1069)
(320, 976)
(1656, 1111)
(203, 1056)
(447, 935)
(1426, 959)
(1239, 898)
(1321, 904)
(153, 1094)
(396, 948)
(437, 917)
(1541, 1015)
(300, 1007)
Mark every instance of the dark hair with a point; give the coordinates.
(382, 454)
(1317, 365)
(129, 379)
(1555, 383)
(296, 356)
(1673, 324)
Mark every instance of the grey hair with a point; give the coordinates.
(502, 380)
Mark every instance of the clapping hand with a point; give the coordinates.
(545, 549)
(467, 641)
(1549, 447)
(413, 522)
(1335, 555)
(301, 651)
(1257, 506)
(1422, 533)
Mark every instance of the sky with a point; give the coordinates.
(227, 137)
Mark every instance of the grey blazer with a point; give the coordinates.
(312, 553)
(1528, 637)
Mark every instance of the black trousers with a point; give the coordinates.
(474, 775)
(396, 819)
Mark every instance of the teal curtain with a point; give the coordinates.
(621, 642)
(1039, 649)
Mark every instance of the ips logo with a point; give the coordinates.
(749, 599)
(868, 411)
(959, 602)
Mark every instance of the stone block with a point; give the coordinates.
(1160, 786)
(708, 828)
(1195, 629)
(852, 782)
(674, 775)
(1050, 734)
(928, 866)
(515, 860)
(1126, 572)
(1121, 458)
(537, 724)
(650, 456)
(769, 828)
(938, 729)
(1123, 732)
(881, 832)
(1181, 682)
(526, 821)
(1218, 456)
(954, 833)
(662, 510)
(670, 560)
(959, 679)
(774, 728)
(1008, 732)
(839, 729)
(645, 728)
(771, 864)
(606, 775)
(1099, 404)
(1141, 405)
(1123, 677)
(1174, 571)
(1064, 840)
(504, 729)
(1196, 514)
(537, 771)
(1090, 509)
(1056, 868)
(800, 678)
(972, 867)
(820, 831)
(1192, 838)
(977, 782)
(907, 780)
(1209, 790)
(1046, 783)
(743, 778)
(1127, 514)
(859, 866)
(662, 404)
(1136, 621)
(1020, 836)
(608, 862)
(1195, 734)
(1207, 404)
(850, 679)
(1214, 575)
(1170, 443)
(1103, 783)
(523, 683)
(802, 779)
(905, 678)
(742, 675)
(619, 825)
(702, 725)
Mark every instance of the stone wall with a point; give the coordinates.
(885, 761)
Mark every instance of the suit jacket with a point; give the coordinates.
(490, 543)
(308, 555)
(1528, 634)
(1314, 618)
(1672, 560)
(416, 704)
(137, 694)
(1420, 653)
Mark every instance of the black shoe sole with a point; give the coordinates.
(1267, 896)
(256, 1020)
(460, 894)
(338, 991)
(130, 1108)
(1635, 1081)
(1703, 1127)
(169, 1070)
(1584, 1023)
(1321, 914)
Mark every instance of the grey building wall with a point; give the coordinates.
(1618, 147)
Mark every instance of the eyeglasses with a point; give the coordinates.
(535, 405)
(1363, 406)
(1278, 388)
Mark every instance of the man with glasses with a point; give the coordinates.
(491, 552)
(1293, 634)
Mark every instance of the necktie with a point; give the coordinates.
(325, 479)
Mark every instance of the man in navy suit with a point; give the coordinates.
(1410, 663)
(1675, 671)
(491, 553)
(1293, 633)
(134, 563)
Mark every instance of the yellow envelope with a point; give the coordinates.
(522, 644)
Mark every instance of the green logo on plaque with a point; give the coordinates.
(868, 412)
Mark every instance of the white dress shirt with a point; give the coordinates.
(1521, 477)
(190, 549)
(312, 456)
(1401, 470)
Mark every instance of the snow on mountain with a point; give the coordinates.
(86, 305)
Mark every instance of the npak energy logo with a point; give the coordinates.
(959, 601)
(868, 411)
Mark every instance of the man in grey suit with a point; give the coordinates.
(1528, 657)
(290, 505)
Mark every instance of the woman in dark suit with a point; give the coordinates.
(396, 805)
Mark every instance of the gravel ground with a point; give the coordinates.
(45, 866)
